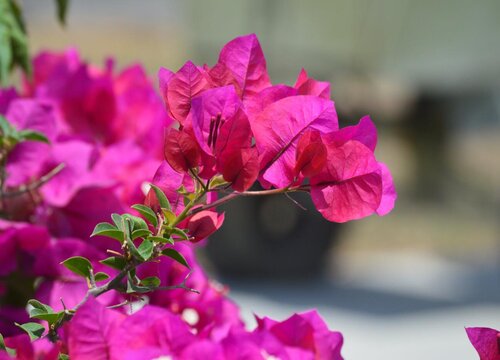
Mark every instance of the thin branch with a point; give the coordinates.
(199, 180)
(235, 195)
(299, 205)
(35, 184)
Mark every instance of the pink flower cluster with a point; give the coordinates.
(108, 131)
(90, 117)
(233, 121)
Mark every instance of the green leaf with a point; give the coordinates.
(108, 230)
(79, 265)
(161, 240)
(33, 136)
(63, 357)
(40, 306)
(62, 9)
(132, 288)
(136, 222)
(145, 249)
(169, 216)
(180, 233)
(162, 198)
(217, 181)
(34, 330)
(118, 220)
(147, 213)
(151, 281)
(6, 56)
(133, 249)
(6, 126)
(13, 40)
(50, 318)
(101, 276)
(177, 256)
(114, 262)
(140, 233)
(11, 352)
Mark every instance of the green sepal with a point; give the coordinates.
(217, 181)
(169, 216)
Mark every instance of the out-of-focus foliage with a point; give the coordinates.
(13, 40)
(14, 50)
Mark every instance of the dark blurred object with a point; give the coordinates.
(272, 237)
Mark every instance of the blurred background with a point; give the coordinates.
(428, 72)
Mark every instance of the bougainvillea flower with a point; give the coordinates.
(354, 196)
(308, 86)
(311, 154)
(240, 167)
(486, 341)
(389, 194)
(169, 180)
(212, 311)
(244, 57)
(152, 327)
(350, 185)
(179, 89)
(141, 116)
(6, 97)
(256, 104)
(182, 150)
(277, 140)
(127, 173)
(26, 159)
(97, 106)
(89, 332)
(365, 132)
(223, 139)
(304, 331)
(77, 157)
(203, 224)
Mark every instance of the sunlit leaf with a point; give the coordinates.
(79, 265)
(106, 229)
